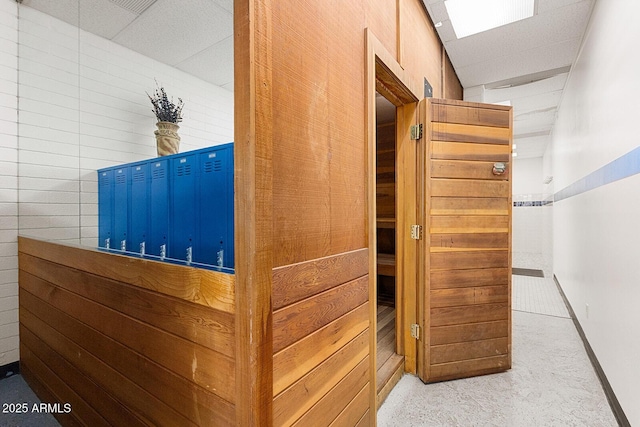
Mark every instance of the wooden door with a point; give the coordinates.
(465, 282)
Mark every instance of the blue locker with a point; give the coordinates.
(105, 208)
(183, 213)
(121, 208)
(158, 208)
(215, 199)
(139, 207)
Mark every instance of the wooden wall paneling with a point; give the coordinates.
(253, 183)
(175, 390)
(298, 320)
(141, 401)
(295, 361)
(92, 395)
(452, 86)
(337, 399)
(209, 327)
(46, 395)
(295, 282)
(293, 402)
(64, 393)
(354, 411)
(208, 288)
(165, 349)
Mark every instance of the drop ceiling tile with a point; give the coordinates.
(519, 63)
(214, 64)
(173, 31)
(93, 19)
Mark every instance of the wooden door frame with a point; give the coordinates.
(385, 75)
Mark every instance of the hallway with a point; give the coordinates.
(552, 382)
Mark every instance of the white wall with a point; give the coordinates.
(531, 220)
(8, 182)
(81, 105)
(596, 233)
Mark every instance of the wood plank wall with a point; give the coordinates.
(98, 331)
(321, 341)
(469, 253)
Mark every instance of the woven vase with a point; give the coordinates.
(167, 138)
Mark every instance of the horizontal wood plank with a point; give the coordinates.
(469, 260)
(64, 393)
(295, 361)
(93, 396)
(138, 399)
(41, 390)
(468, 350)
(169, 388)
(336, 400)
(209, 288)
(355, 410)
(468, 332)
(470, 206)
(469, 296)
(472, 277)
(470, 115)
(475, 240)
(469, 368)
(469, 188)
(466, 170)
(445, 316)
(298, 320)
(205, 367)
(295, 282)
(446, 150)
(469, 224)
(455, 132)
(203, 325)
(293, 402)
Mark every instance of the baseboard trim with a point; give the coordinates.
(527, 272)
(606, 386)
(9, 370)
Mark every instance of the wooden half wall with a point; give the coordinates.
(126, 341)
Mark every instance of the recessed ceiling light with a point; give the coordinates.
(475, 16)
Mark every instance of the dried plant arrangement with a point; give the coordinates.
(164, 109)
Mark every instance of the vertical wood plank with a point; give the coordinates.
(253, 212)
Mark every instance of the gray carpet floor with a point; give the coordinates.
(14, 390)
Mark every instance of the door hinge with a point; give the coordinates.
(416, 131)
(416, 232)
(415, 331)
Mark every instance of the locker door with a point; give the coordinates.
(105, 208)
(467, 240)
(139, 219)
(158, 208)
(121, 208)
(215, 247)
(183, 216)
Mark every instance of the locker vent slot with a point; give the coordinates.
(105, 182)
(184, 170)
(158, 174)
(121, 179)
(213, 166)
(138, 176)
